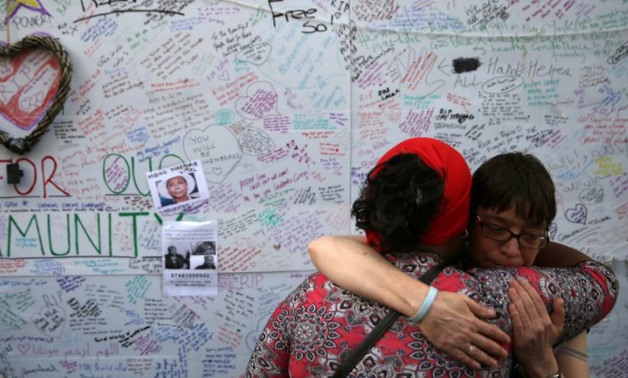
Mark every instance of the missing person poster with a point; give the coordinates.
(190, 258)
(180, 188)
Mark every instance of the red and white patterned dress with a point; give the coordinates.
(313, 330)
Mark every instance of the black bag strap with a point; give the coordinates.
(358, 353)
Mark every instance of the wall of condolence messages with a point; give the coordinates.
(282, 107)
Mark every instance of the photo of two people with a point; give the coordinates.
(203, 256)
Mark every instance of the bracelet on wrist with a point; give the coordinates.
(425, 306)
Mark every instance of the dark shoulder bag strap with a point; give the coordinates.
(358, 353)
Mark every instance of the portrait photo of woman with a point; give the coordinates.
(177, 189)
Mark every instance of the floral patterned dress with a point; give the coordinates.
(314, 329)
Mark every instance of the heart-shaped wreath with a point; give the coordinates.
(32, 96)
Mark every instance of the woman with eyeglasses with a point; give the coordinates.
(512, 207)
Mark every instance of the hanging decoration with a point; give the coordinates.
(35, 78)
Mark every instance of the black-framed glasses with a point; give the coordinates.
(502, 234)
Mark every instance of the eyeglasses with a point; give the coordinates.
(502, 234)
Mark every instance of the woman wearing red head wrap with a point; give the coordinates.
(452, 216)
(315, 327)
(510, 191)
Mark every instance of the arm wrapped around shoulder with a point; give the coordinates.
(589, 290)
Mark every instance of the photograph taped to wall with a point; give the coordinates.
(179, 188)
(190, 259)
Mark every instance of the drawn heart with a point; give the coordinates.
(23, 348)
(592, 195)
(577, 215)
(255, 141)
(216, 147)
(50, 320)
(256, 54)
(35, 78)
(260, 101)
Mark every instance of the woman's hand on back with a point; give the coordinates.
(456, 325)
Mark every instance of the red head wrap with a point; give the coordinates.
(453, 216)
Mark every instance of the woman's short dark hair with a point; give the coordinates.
(515, 179)
(399, 201)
